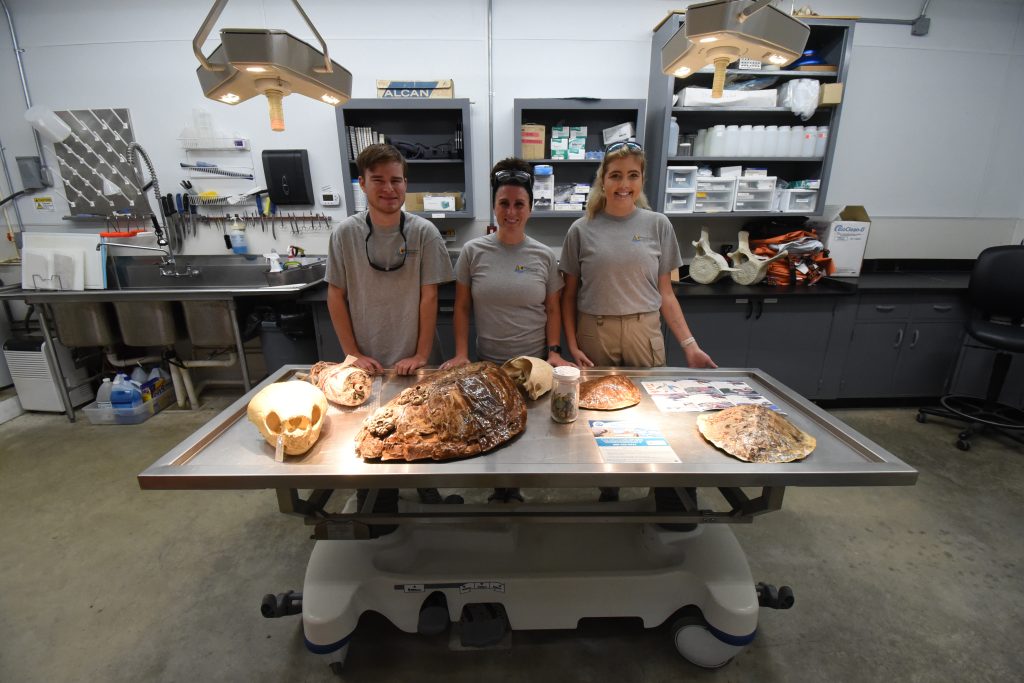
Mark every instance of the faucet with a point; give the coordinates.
(133, 149)
(167, 264)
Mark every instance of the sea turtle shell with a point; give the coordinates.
(755, 434)
(611, 392)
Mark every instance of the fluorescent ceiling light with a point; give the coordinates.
(722, 31)
(253, 61)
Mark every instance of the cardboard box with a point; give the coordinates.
(846, 237)
(443, 89)
(568, 131)
(577, 148)
(619, 133)
(830, 93)
(531, 137)
(414, 201)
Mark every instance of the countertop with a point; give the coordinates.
(33, 296)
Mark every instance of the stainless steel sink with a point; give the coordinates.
(207, 272)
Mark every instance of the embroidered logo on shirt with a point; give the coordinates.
(520, 268)
(638, 238)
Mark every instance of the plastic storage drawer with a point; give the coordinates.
(755, 184)
(706, 184)
(681, 178)
(798, 201)
(705, 205)
(679, 202)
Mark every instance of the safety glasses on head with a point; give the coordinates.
(512, 176)
(628, 144)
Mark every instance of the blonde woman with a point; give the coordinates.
(618, 262)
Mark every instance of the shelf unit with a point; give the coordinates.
(230, 157)
(595, 114)
(833, 41)
(428, 122)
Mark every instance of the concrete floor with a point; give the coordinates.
(102, 581)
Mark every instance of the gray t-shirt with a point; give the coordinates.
(618, 261)
(385, 305)
(509, 284)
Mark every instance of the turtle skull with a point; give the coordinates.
(532, 375)
(294, 411)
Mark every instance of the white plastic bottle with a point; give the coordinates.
(759, 145)
(810, 136)
(732, 141)
(239, 243)
(771, 139)
(715, 144)
(672, 147)
(796, 138)
(139, 375)
(821, 141)
(103, 394)
(543, 187)
(700, 144)
(781, 147)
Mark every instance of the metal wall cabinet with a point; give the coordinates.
(786, 337)
(833, 40)
(595, 114)
(903, 345)
(426, 122)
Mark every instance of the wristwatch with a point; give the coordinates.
(555, 348)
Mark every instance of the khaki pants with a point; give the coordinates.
(622, 340)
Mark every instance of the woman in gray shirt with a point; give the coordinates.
(510, 282)
(618, 262)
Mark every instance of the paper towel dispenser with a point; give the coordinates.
(287, 175)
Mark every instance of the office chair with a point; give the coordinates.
(996, 297)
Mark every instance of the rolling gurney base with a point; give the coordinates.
(546, 576)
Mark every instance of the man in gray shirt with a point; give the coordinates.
(383, 269)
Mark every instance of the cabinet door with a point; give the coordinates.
(927, 358)
(722, 328)
(871, 360)
(789, 340)
(328, 348)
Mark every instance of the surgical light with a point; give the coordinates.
(252, 61)
(722, 31)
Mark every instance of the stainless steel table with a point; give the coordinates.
(228, 453)
(546, 565)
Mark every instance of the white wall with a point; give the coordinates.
(929, 141)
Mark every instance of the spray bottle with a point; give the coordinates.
(239, 243)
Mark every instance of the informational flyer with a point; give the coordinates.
(629, 442)
(699, 395)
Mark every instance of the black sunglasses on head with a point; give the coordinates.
(513, 175)
(628, 144)
(405, 244)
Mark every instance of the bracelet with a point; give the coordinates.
(686, 342)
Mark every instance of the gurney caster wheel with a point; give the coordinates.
(281, 605)
(698, 645)
(922, 418)
(338, 667)
(963, 444)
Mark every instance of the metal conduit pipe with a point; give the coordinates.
(21, 70)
